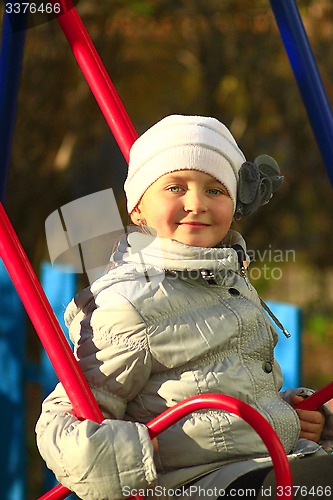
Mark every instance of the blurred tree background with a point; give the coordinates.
(223, 58)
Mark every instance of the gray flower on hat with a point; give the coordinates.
(258, 181)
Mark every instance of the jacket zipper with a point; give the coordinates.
(243, 266)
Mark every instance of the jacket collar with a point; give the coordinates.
(140, 255)
(147, 251)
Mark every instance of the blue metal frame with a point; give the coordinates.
(307, 76)
(12, 397)
(288, 351)
(11, 56)
(59, 283)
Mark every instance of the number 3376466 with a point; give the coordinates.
(306, 491)
(33, 8)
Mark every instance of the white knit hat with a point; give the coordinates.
(183, 143)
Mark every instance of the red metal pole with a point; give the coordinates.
(269, 437)
(232, 405)
(317, 399)
(14, 257)
(11, 251)
(242, 410)
(45, 322)
(97, 77)
(46, 325)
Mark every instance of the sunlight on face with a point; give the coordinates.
(188, 206)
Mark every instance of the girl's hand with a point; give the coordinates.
(312, 422)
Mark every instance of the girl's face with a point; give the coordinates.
(188, 206)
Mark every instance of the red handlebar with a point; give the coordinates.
(242, 410)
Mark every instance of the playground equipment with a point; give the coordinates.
(12, 48)
(307, 76)
(16, 262)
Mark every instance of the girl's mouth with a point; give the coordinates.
(193, 224)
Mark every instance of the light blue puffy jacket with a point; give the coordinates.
(168, 321)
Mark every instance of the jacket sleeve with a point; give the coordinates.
(102, 461)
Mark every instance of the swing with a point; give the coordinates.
(42, 315)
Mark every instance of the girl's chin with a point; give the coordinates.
(195, 242)
(193, 239)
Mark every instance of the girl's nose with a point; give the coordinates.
(194, 202)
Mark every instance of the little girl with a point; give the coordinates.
(176, 316)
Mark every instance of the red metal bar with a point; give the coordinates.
(232, 405)
(118, 121)
(168, 418)
(46, 324)
(15, 260)
(317, 399)
(97, 77)
(59, 492)
(242, 410)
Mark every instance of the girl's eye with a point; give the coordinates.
(216, 191)
(174, 189)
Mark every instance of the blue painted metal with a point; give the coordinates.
(59, 284)
(307, 76)
(12, 399)
(288, 352)
(11, 56)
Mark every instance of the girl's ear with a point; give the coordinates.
(135, 216)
